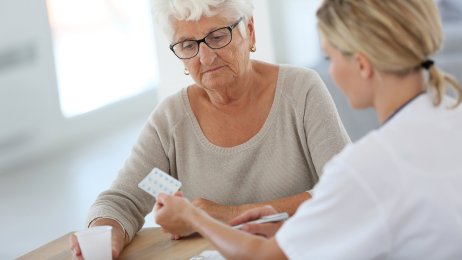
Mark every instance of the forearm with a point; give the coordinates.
(232, 243)
(124, 206)
(287, 204)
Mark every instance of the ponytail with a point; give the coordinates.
(438, 81)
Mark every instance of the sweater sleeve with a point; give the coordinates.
(124, 201)
(326, 136)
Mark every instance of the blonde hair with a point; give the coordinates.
(397, 36)
(168, 11)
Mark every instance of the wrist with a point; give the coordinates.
(194, 218)
(117, 227)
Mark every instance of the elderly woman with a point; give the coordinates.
(245, 134)
(388, 196)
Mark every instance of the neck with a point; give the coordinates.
(392, 92)
(231, 95)
(238, 94)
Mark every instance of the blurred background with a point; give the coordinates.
(78, 78)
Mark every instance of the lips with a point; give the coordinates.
(212, 69)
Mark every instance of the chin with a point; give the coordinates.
(216, 81)
(212, 84)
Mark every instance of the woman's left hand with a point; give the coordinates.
(220, 212)
(171, 213)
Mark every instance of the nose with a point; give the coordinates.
(206, 55)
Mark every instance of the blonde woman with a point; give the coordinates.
(396, 193)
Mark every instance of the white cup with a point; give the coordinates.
(95, 243)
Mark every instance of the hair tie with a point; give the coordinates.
(427, 64)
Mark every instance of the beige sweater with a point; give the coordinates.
(302, 132)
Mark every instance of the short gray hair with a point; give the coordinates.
(167, 11)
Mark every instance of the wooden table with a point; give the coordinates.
(149, 243)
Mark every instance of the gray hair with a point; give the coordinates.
(167, 12)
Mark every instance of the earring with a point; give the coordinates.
(253, 49)
(186, 71)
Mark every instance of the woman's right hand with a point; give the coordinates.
(119, 239)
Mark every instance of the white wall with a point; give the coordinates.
(294, 31)
(23, 53)
(27, 86)
(31, 123)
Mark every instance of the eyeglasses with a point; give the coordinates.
(216, 39)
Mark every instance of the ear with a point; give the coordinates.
(364, 66)
(251, 31)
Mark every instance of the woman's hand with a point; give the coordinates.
(172, 214)
(119, 240)
(221, 212)
(265, 230)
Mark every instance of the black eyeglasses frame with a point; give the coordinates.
(230, 28)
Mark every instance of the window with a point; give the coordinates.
(104, 51)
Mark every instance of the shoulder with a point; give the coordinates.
(369, 160)
(300, 84)
(170, 111)
(299, 76)
(409, 128)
